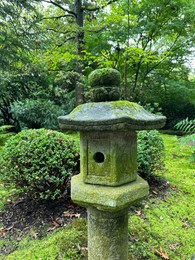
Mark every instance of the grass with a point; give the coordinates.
(161, 227)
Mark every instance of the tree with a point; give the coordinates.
(150, 49)
(157, 38)
(148, 42)
(14, 48)
(72, 13)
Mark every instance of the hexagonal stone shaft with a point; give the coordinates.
(107, 235)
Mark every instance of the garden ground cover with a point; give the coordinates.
(164, 224)
(160, 227)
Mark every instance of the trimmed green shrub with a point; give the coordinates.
(40, 162)
(150, 153)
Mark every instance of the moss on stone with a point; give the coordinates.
(120, 104)
(111, 116)
(105, 77)
(119, 157)
(107, 198)
(107, 235)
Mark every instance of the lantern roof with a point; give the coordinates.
(110, 116)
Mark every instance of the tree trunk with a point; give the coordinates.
(80, 48)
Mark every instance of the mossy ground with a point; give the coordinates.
(161, 227)
(65, 243)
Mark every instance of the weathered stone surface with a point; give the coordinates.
(104, 77)
(105, 197)
(105, 85)
(108, 158)
(107, 235)
(108, 183)
(100, 94)
(110, 116)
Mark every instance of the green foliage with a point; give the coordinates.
(150, 51)
(188, 126)
(105, 77)
(153, 108)
(66, 82)
(39, 162)
(14, 24)
(6, 131)
(37, 113)
(164, 220)
(178, 102)
(189, 140)
(150, 153)
(31, 83)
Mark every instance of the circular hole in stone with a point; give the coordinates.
(99, 157)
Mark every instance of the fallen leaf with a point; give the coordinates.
(163, 255)
(174, 187)
(35, 235)
(77, 215)
(82, 248)
(138, 212)
(51, 229)
(3, 231)
(185, 226)
(154, 192)
(146, 206)
(173, 246)
(9, 228)
(69, 214)
(55, 223)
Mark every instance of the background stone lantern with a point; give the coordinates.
(108, 183)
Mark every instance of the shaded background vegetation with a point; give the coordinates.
(48, 48)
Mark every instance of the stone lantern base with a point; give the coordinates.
(107, 198)
(107, 209)
(107, 235)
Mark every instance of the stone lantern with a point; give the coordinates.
(108, 183)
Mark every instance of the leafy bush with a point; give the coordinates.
(188, 126)
(153, 108)
(178, 104)
(6, 131)
(37, 113)
(150, 153)
(39, 162)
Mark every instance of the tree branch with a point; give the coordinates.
(99, 7)
(98, 30)
(67, 39)
(54, 30)
(61, 7)
(58, 17)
